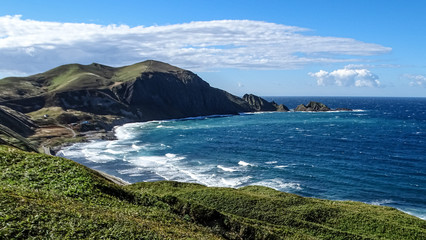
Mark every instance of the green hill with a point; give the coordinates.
(72, 77)
(98, 97)
(45, 197)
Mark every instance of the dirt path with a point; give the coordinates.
(74, 134)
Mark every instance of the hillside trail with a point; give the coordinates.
(74, 134)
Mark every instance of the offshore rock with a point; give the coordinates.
(312, 107)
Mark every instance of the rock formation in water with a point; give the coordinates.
(312, 107)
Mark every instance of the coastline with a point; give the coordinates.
(110, 135)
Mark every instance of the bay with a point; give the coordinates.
(374, 154)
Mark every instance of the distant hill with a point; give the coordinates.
(143, 91)
(99, 97)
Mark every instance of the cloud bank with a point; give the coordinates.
(416, 80)
(347, 77)
(31, 46)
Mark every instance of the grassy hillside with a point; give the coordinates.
(51, 197)
(76, 76)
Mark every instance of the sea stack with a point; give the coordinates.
(312, 107)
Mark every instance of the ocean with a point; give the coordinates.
(375, 154)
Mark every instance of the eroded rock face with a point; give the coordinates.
(259, 104)
(140, 92)
(14, 127)
(280, 107)
(312, 107)
(160, 95)
(17, 121)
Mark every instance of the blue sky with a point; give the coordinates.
(269, 48)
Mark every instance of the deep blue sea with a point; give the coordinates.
(375, 154)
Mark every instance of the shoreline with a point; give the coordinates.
(111, 135)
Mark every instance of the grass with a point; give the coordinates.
(294, 215)
(49, 197)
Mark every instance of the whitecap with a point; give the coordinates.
(278, 184)
(194, 176)
(136, 147)
(380, 202)
(281, 166)
(226, 169)
(271, 162)
(242, 163)
(92, 153)
(113, 151)
(234, 182)
(148, 161)
(99, 158)
(126, 131)
(136, 170)
(172, 156)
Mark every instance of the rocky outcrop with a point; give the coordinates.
(280, 107)
(260, 104)
(14, 127)
(17, 121)
(165, 95)
(312, 107)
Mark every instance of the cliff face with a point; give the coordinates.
(260, 104)
(144, 91)
(157, 95)
(14, 127)
(16, 120)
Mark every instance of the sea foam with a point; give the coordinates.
(226, 169)
(242, 163)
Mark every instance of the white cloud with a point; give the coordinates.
(416, 80)
(358, 66)
(32, 46)
(347, 77)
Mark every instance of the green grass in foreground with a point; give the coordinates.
(48, 197)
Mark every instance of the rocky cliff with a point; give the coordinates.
(260, 104)
(145, 91)
(103, 96)
(14, 127)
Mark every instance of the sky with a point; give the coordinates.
(268, 48)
